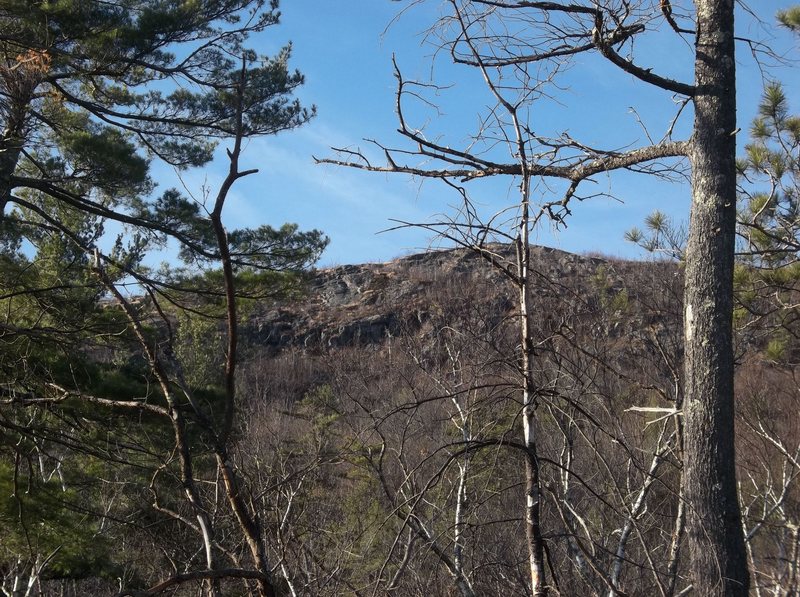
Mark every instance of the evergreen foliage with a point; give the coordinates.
(91, 93)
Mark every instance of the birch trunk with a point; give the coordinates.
(533, 531)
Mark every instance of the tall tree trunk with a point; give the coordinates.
(533, 529)
(18, 83)
(714, 531)
(11, 142)
(10, 151)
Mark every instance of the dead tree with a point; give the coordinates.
(517, 48)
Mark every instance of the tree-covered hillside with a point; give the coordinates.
(493, 418)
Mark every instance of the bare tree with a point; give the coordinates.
(197, 482)
(168, 374)
(517, 47)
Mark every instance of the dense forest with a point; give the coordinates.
(491, 418)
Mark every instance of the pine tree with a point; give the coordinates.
(91, 93)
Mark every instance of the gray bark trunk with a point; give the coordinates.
(10, 151)
(18, 87)
(714, 533)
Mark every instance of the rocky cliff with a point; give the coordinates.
(363, 304)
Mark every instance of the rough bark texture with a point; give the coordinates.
(18, 84)
(11, 143)
(714, 532)
(10, 150)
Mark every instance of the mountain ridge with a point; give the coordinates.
(367, 303)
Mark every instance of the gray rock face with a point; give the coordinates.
(366, 304)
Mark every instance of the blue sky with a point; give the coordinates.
(345, 50)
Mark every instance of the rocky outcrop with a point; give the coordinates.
(366, 304)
